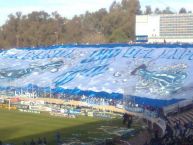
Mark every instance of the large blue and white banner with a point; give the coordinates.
(153, 71)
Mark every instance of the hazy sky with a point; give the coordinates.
(69, 8)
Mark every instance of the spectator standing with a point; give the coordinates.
(32, 142)
(44, 141)
(125, 118)
(58, 137)
(39, 141)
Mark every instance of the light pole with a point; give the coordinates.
(17, 40)
(9, 101)
(57, 37)
(50, 90)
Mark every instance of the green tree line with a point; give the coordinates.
(117, 24)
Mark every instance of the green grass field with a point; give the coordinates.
(17, 127)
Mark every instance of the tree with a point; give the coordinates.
(41, 28)
(182, 11)
(138, 8)
(125, 4)
(157, 11)
(148, 10)
(167, 11)
(132, 19)
(114, 6)
(94, 38)
(118, 36)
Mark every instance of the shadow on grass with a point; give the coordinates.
(12, 130)
(83, 132)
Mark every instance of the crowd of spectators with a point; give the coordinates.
(101, 101)
(149, 111)
(179, 134)
(39, 141)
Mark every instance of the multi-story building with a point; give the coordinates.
(164, 28)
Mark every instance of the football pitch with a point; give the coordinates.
(17, 127)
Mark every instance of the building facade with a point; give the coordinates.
(164, 28)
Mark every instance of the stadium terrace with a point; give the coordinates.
(151, 72)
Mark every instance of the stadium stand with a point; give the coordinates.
(152, 81)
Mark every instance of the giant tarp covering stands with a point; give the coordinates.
(156, 72)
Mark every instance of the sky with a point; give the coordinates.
(69, 8)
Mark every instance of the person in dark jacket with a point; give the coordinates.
(32, 142)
